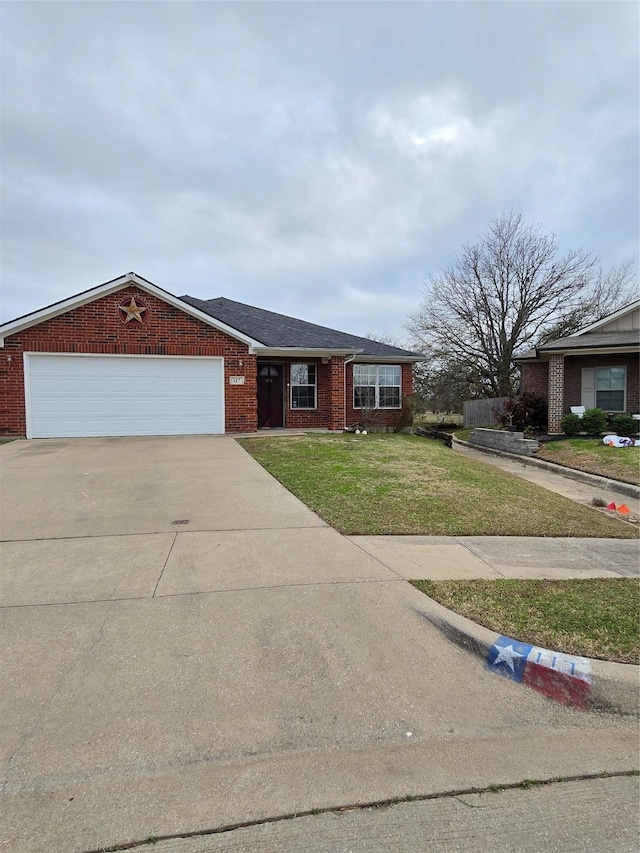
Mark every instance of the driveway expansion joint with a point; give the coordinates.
(155, 589)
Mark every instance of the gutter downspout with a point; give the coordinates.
(346, 362)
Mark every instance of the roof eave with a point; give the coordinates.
(311, 352)
(391, 359)
(543, 354)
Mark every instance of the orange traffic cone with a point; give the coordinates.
(624, 509)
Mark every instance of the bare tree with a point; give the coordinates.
(501, 294)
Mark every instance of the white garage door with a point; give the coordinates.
(71, 395)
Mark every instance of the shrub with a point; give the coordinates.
(528, 410)
(624, 424)
(594, 421)
(571, 424)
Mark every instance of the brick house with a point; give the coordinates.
(596, 367)
(129, 358)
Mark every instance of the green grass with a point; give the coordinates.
(596, 618)
(593, 456)
(395, 484)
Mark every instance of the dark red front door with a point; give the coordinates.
(270, 394)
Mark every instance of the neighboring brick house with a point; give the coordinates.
(596, 367)
(128, 358)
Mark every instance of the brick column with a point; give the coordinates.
(556, 392)
(336, 382)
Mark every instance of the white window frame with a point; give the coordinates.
(624, 386)
(377, 386)
(313, 385)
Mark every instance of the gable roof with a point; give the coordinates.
(278, 331)
(590, 338)
(115, 284)
(261, 330)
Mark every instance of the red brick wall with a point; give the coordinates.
(97, 328)
(329, 411)
(380, 417)
(535, 378)
(573, 377)
(318, 418)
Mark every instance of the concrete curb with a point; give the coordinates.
(627, 489)
(597, 685)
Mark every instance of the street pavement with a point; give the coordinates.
(187, 647)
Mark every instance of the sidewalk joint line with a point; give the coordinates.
(165, 566)
(369, 554)
(168, 532)
(525, 784)
(201, 592)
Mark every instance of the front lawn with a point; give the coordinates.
(395, 484)
(591, 455)
(596, 618)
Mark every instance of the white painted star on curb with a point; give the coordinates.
(507, 654)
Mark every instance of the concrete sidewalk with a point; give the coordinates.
(468, 557)
(577, 491)
(575, 816)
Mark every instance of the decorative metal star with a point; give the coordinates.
(133, 310)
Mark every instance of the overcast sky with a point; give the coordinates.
(316, 159)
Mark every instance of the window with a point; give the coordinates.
(377, 386)
(303, 386)
(611, 383)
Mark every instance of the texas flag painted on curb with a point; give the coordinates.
(565, 678)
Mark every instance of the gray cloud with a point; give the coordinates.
(319, 159)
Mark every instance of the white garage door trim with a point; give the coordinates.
(213, 422)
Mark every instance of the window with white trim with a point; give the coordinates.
(377, 386)
(303, 386)
(611, 384)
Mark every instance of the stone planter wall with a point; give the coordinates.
(508, 442)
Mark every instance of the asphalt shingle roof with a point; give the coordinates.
(628, 337)
(588, 340)
(278, 330)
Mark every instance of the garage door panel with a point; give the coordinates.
(70, 396)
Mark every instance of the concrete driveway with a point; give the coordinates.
(186, 646)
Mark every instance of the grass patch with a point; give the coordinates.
(596, 618)
(463, 434)
(402, 484)
(594, 457)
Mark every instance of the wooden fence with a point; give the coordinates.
(482, 413)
